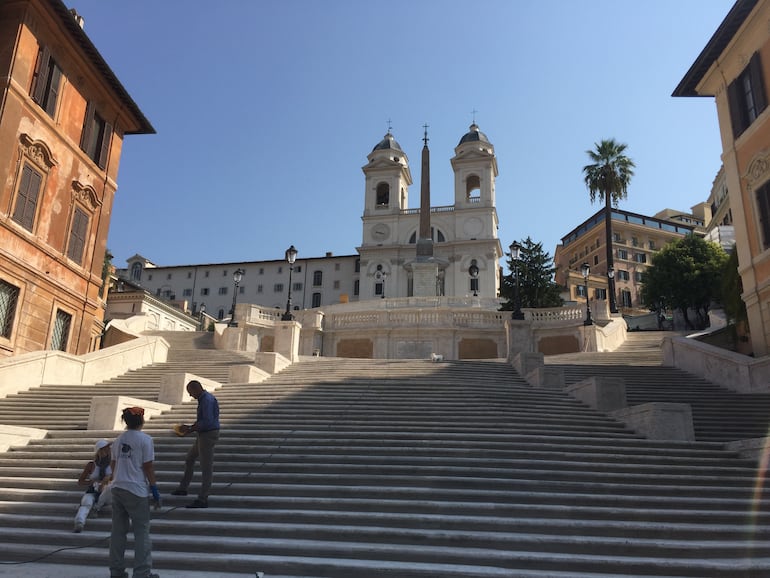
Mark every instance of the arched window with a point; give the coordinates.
(436, 235)
(383, 194)
(316, 300)
(318, 278)
(472, 187)
(136, 272)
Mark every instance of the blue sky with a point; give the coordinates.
(265, 112)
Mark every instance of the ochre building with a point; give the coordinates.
(63, 116)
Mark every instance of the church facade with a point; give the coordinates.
(466, 249)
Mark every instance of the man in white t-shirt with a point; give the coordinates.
(133, 480)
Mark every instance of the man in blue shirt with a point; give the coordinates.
(206, 428)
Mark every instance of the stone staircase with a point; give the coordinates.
(409, 469)
(718, 414)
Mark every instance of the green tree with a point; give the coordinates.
(685, 274)
(607, 179)
(732, 287)
(106, 271)
(536, 285)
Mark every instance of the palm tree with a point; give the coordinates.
(607, 178)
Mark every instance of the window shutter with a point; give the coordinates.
(736, 107)
(85, 138)
(105, 150)
(40, 76)
(757, 83)
(26, 200)
(78, 235)
(53, 90)
(764, 214)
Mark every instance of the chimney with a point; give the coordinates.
(78, 18)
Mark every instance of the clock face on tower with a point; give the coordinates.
(380, 232)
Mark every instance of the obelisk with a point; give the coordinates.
(425, 267)
(425, 239)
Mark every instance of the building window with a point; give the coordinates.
(9, 298)
(298, 268)
(356, 287)
(337, 284)
(358, 266)
(600, 294)
(634, 241)
(27, 196)
(187, 293)
(168, 276)
(336, 266)
(223, 290)
(623, 254)
(296, 286)
(580, 291)
(625, 298)
(149, 277)
(259, 289)
(746, 96)
(318, 277)
(623, 275)
(206, 274)
(651, 245)
(97, 133)
(278, 288)
(596, 259)
(379, 288)
(640, 258)
(383, 194)
(224, 272)
(61, 330)
(46, 82)
(763, 202)
(474, 284)
(638, 276)
(316, 300)
(78, 235)
(136, 272)
(204, 290)
(616, 237)
(261, 270)
(280, 270)
(189, 274)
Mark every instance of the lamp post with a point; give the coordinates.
(291, 256)
(517, 314)
(473, 271)
(611, 289)
(237, 276)
(585, 269)
(202, 316)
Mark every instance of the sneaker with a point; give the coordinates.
(78, 527)
(179, 492)
(198, 504)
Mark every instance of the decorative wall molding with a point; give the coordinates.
(758, 171)
(38, 152)
(85, 194)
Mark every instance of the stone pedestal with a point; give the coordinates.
(604, 394)
(659, 420)
(287, 339)
(424, 278)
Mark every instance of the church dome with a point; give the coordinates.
(387, 143)
(473, 135)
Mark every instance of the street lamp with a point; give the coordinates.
(237, 276)
(473, 271)
(291, 256)
(586, 269)
(611, 289)
(517, 314)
